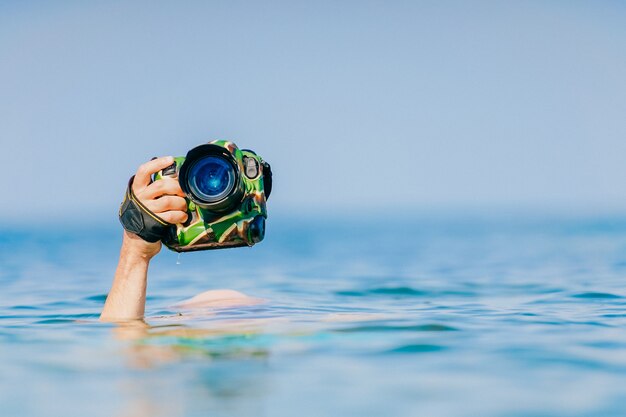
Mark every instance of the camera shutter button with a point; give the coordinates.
(251, 166)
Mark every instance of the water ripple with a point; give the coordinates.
(416, 348)
(396, 328)
(395, 291)
(597, 295)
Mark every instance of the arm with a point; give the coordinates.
(127, 298)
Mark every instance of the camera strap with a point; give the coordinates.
(138, 219)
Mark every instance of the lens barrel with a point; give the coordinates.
(211, 178)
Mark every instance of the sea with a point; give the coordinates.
(434, 315)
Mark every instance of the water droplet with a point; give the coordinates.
(178, 259)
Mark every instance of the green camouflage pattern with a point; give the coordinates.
(209, 230)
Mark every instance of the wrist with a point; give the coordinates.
(135, 248)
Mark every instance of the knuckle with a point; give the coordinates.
(166, 216)
(173, 187)
(168, 204)
(180, 216)
(181, 203)
(142, 170)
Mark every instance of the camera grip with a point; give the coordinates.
(138, 219)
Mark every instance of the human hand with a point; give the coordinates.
(164, 198)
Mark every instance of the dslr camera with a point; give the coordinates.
(226, 190)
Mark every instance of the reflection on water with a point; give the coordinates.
(446, 318)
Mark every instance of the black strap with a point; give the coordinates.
(267, 179)
(138, 219)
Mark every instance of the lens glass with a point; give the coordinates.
(211, 179)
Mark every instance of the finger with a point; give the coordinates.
(164, 186)
(145, 171)
(174, 216)
(166, 203)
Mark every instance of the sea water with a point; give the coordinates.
(418, 316)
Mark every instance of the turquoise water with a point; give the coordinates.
(428, 316)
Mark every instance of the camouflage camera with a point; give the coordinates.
(226, 189)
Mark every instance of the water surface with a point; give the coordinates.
(429, 316)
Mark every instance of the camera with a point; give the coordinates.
(226, 191)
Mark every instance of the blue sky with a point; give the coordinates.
(359, 106)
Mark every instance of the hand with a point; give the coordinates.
(164, 198)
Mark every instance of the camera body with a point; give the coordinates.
(226, 191)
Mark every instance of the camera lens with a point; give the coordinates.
(211, 178)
